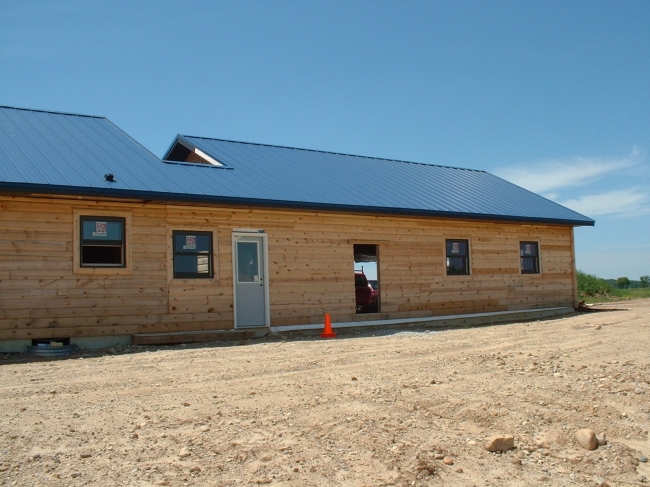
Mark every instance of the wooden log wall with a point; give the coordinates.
(310, 265)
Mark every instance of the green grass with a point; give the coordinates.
(616, 295)
(619, 295)
(637, 293)
(593, 289)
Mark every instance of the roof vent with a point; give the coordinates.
(184, 153)
(110, 178)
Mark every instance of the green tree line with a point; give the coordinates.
(593, 288)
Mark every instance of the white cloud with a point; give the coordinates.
(630, 202)
(553, 174)
(552, 196)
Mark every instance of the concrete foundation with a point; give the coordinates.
(84, 343)
(448, 321)
(14, 346)
(92, 343)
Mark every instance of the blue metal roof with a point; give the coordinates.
(51, 150)
(58, 153)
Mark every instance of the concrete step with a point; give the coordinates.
(172, 338)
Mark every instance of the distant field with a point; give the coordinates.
(593, 289)
(618, 295)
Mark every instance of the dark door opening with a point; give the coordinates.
(366, 278)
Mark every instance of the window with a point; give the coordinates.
(102, 242)
(192, 254)
(529, 253)
(248, 265)
(457, 257)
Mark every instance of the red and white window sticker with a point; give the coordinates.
(190, 242)
(101, 229)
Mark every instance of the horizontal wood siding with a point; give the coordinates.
(310, 265)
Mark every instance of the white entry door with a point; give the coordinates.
(251, 283)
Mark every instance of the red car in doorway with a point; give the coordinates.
(365, 294)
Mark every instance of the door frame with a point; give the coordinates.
(245, 232)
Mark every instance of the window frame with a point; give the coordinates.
(209, 254)
(536, 258)
(108, 243)
(85, 213)
(468, 271)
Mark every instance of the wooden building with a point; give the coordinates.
(100, 240)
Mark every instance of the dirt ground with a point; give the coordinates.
(365, 409)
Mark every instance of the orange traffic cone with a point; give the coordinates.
(327, 330)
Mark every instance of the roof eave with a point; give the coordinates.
(39, 189)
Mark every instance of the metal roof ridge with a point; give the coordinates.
(54, 112)
(185, 136)
(132, 139)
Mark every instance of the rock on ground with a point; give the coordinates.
(587, 438)
(500, 443)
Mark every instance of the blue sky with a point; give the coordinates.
(554, 96)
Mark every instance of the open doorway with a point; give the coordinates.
(366, 278)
